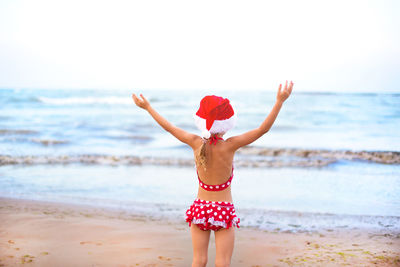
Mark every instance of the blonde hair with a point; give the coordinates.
(201, 155)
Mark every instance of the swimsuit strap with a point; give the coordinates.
(214, 139)
(215, 187)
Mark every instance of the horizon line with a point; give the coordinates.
(202, 89)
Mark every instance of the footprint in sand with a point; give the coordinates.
(90, 242)
(27, 258)
(164, 258)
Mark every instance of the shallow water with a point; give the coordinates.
(277, 197)
(331, 159)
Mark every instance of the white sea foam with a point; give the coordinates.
(253, 157)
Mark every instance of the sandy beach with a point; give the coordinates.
(40, 233)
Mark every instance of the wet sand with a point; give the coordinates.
(37, 233)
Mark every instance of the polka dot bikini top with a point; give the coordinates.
(217, 187)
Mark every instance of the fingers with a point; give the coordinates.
(137, 100)
(288, 88)
(144, 99)
(291, 87)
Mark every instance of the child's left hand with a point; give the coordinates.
(141, 103)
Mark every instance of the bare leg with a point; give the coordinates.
(224, 242)
(200, 240)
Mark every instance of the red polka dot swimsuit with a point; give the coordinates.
(212, 215)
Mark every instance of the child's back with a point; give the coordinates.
(216, 170)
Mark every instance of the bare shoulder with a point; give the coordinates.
(231, 143)
(238, 141)
(196, 142)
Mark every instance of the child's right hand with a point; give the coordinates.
(285, 93)
(141, 103)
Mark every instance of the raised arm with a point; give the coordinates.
(249, 137)
(180, 134)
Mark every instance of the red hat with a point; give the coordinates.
(215, 115)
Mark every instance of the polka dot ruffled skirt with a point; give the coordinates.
(212, 215)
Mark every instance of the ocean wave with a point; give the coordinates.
(91, 159)
(44, 142)
(135, 138)
(317, 93)
(348, 93)
(110, 100)
(3, 118)
(21, 99)
(296, 221)
(48, 142)
(285, 128)
(304, 160)
(254, 157)
(13, 132)
(385, 157)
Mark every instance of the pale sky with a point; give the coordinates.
(320, 45)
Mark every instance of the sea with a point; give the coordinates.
(331, 160)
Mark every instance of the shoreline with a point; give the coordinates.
(41, 233)
(249, 156)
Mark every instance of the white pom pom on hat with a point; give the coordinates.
(215, 115)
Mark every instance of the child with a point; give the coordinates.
(213, 208)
